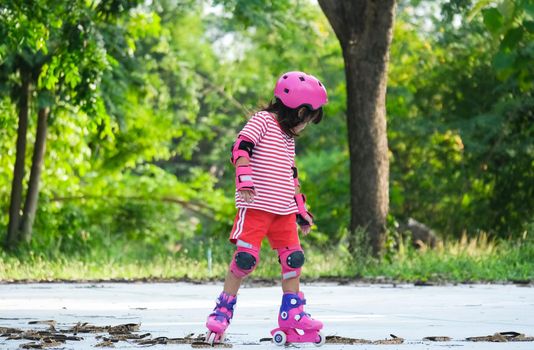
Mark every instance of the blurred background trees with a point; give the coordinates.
(145, 99)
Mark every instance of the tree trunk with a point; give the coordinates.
(32, 196)
(364, 29)
(12, 237)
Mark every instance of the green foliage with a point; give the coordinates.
(147, 98)
(325, 181)
(115, 111)
(459, 131)
(511, 26)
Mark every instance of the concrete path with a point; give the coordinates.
(370, 312)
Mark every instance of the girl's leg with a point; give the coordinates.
(284, 238)
(243, 263)
(291, 285)
(232, 283)
(250, 226)
(221, 316)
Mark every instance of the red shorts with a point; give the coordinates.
(252, 225)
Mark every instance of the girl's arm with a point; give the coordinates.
(244, 184)
(304, 217)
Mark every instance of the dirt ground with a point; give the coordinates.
(356, 316)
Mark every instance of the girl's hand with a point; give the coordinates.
(304, 217)
(246, 195)
(305, 222)
(305, 229)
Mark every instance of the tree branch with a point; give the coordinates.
(193, 207)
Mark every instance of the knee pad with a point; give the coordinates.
(291, 259)
(245, 260)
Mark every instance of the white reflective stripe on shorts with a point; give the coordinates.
(240, 223)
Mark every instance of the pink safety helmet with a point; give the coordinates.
(296, 89)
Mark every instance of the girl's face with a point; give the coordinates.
(297, 129)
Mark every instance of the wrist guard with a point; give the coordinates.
(243, 178)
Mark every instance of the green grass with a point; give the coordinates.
(128, 265)
(466, 260)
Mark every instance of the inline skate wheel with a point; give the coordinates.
(210, 338)
(321, 340)
(279, 338)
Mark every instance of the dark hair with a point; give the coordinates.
(288, 118)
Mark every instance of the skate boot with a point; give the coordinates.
(220, 318)
(295, 325)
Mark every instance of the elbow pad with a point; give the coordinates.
(242, 147)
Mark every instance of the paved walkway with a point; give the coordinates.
(370, 312)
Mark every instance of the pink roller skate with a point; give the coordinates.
(220, 318)
(296, 326)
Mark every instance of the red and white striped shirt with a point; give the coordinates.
(272, 158)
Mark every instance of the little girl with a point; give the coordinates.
(270, 204)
